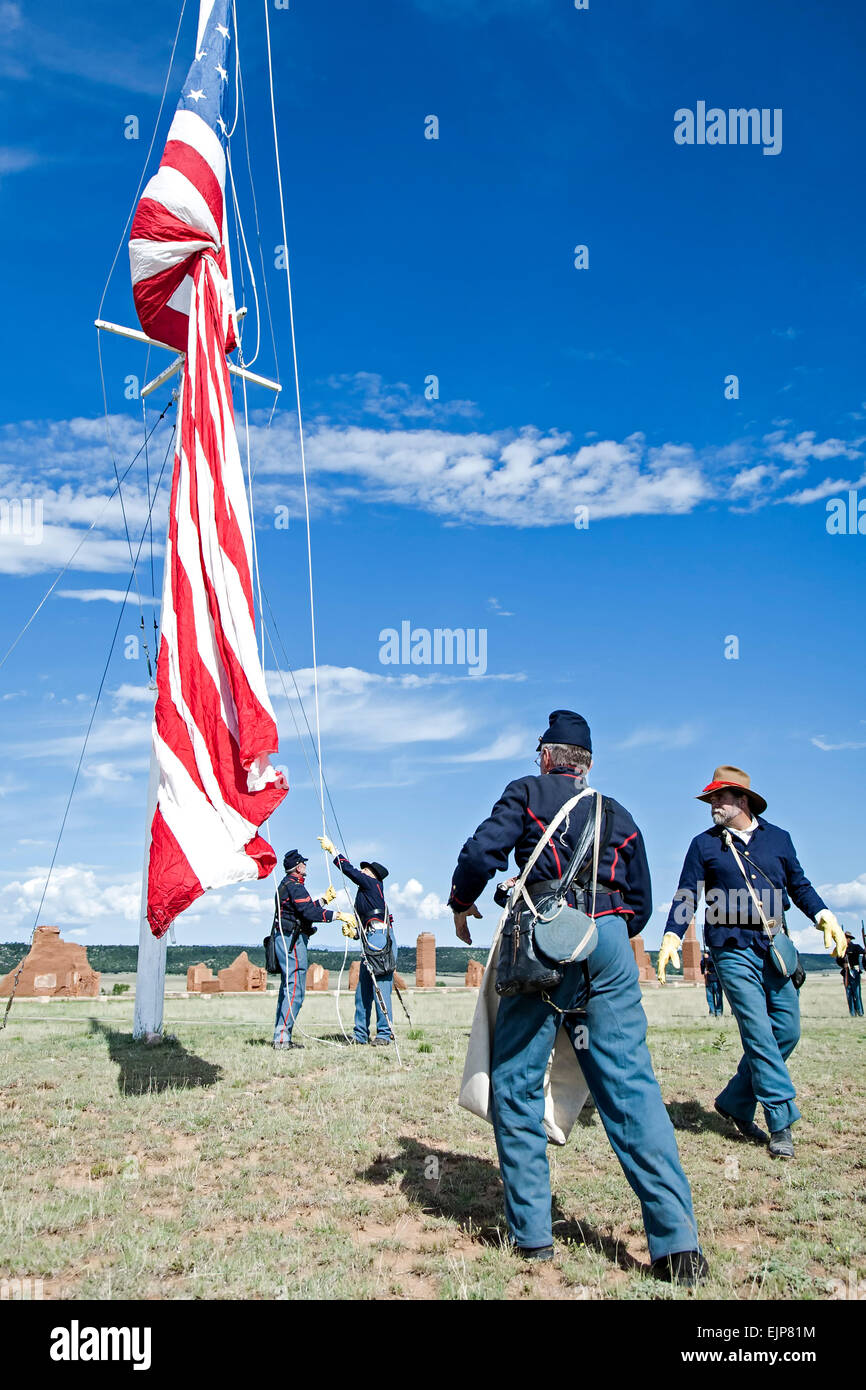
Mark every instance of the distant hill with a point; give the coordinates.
(123, 960)
(450, 960)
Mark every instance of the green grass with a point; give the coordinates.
(212, 1167)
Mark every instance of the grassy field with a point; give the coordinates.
(212, 1167)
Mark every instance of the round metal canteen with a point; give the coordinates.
(563, 934)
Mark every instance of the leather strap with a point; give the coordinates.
(728, 839)
(518, 890)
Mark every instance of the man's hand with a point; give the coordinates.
(460, 925)
(668, 955)
(834, 937)
(327, 845)
(350, 926)
(329, 894)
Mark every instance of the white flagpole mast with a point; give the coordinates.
(150, 974)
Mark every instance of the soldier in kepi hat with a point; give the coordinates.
(611, 1040)
(296, 918)
(378, 947)
(748, 870)
(851, 966)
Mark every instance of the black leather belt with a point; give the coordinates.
(538, 890)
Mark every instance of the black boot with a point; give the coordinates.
(538, 1252)
(747, 1128)
(782, 1143)
(686, 1267)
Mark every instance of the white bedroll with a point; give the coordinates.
(565, 1088)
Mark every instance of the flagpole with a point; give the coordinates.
(150, 974)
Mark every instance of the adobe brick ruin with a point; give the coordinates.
(691, 956)
(241, 977)
(474, 974)
(317, 976)
(644, 965)
(53, 967)
(355, 974)
(425, 961)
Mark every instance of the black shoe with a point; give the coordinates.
(686, 1267)
(537, 1252)
(747, 1128)
(782, 1143)
(287, 1046)
(380, 1042)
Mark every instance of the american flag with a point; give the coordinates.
(214, 727)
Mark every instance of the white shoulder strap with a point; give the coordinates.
(560, 816)
(729, 841)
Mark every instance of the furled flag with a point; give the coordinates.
(214, 727)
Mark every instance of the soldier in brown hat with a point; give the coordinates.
(749, 873)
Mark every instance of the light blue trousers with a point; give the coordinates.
(767, 1010)
(293, 986)
(619, 1073)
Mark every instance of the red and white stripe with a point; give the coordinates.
(214, 726)
(181, 214)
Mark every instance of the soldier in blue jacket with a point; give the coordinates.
(764, 1003)
(296, 918)
(851, 966)
(611, 1044)
(712, 985)
(377, 926)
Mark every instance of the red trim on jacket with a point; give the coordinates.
(550, 842)
(617, 850)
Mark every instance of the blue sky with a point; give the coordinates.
(558, 388)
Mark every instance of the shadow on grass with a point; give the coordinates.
(468, 1190)
(694, 1117)
(166, 1067)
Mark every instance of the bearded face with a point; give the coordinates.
(725, 806)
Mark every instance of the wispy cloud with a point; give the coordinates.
(515, 478)
(653, 736)
(108, 595)
(821, 742)
(15, 161)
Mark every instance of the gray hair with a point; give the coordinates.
(569, 755)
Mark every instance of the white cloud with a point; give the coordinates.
(76, 893)
(507, 745)
(14, 161)
(109, 595)
(521, 478)
(820, 742)
(106, 772)
(357, 706)
(846, 897)
(828, 488)
(415, 903)
(681, 736)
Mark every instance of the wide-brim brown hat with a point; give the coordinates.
(740, 781)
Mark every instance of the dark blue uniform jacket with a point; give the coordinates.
(519, 820)
(731, 918)
(853, 959)
(370, 897)
(297, 908)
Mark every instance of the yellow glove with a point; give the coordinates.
(329, 894)
(350, 926)
(327, 845)
(834, 937)
(668, 955)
